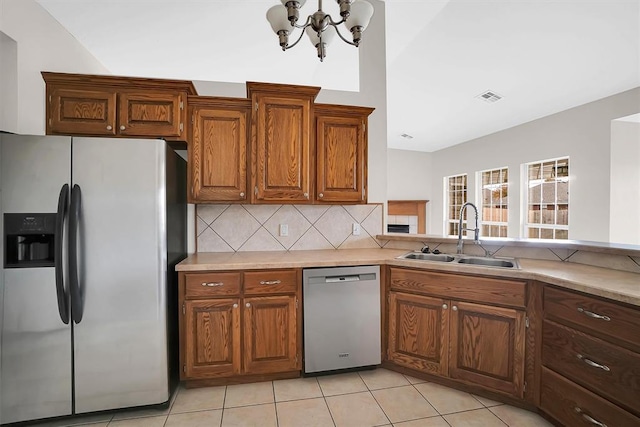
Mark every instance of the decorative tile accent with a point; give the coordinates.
(296, 222)
(262, 212)
(615, 262)
(209, 241)
(209, 213)
(311, 240)
(257, 227)
(261, 241)
(235, 226)
(359, 212)
(312, 212)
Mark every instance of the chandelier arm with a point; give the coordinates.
(306, 23)
(299, 38)
(335, 24)
(340, 35)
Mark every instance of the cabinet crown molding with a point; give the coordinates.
(91, 80)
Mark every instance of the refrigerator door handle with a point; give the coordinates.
(63, 307)
(77, 295)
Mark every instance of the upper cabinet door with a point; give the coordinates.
(341, 153)
(81, 112)
(283, 142)
(151, 114)
(218, 153)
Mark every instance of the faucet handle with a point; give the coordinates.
(425, 249)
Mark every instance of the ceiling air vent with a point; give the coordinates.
(406, 136)
(489, 96)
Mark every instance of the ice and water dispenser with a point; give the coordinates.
(29, 240)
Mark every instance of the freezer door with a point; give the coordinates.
(120, 343)
(35, 350)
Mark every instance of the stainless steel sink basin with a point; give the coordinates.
(428, 257)
(489, 262)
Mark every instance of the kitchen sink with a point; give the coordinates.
(489, 262)
(462, 259)
(428, 257)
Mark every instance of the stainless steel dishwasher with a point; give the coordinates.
(341, 317)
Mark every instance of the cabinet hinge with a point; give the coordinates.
(296, 302)
(256, 106)
(49, 99)
(184, 309)
(184, 368)
(364, 127)
(181, 127)
(181, 105)
(524, 386)
(193, 118)
(255, 190)
(526, 322)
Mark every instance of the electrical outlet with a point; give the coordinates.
(284, 230)
(356, 229)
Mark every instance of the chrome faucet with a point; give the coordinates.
(476, 230)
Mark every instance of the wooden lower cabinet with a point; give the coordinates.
(212, 345)
(419, 332)
(236, 324)
(452, 326)
(270, 340)
(487, 346)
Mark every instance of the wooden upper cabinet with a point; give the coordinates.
(218, 149)
(487, 346)
(281, 142)
(341, 153)
(92, 105)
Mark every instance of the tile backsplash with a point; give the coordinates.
(233, 228)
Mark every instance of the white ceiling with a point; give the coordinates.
(542, 56)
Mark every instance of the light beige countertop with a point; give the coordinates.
(614, 284)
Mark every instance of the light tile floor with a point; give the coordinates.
(357, 399)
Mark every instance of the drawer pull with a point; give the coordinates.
(594, 315)
(593, 364)
(212, 284)
(589, 418)
(270, 282)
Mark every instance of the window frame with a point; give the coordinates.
(502, 225)
(554, 226)
(450, 223)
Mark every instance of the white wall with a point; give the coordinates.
(625, 181)
(583, 133)
(8, 77)
(409, 175)
(42, 45)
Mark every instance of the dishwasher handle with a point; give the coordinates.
(345, 278)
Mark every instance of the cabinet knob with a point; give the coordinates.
(242, 195)
(454, 308)
(320, 196)
(306, 195)
(109, 127)
(248, 305)
(235, 305)
(122, 127)
(445, 306)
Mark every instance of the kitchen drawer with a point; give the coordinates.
(455, 286)
(611, 371)
(573, 405)
(206, 285)
(271, 282)
(605, 319)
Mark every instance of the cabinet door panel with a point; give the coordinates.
(212, 342)
(282, 149)
(487, 346)
(151, 114)
(418, 332)
(340, 159)
(218, 155)
(82, 112)
(270, 334)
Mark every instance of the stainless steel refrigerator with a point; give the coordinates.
(92, 230)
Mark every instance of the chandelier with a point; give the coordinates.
(354, 14)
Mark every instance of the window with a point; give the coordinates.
(547, 199)
(456, 195)
(495, 207)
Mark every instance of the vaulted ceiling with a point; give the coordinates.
(540, 56)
